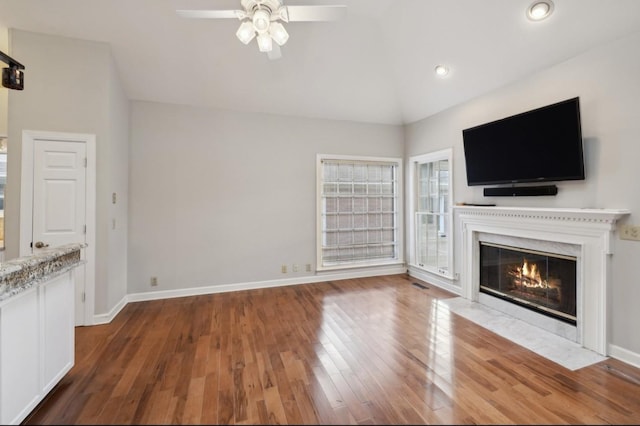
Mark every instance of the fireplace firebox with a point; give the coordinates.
(542, 282)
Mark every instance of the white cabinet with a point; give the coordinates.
(19, 356)
(36, 345)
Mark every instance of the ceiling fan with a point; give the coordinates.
(260, 19)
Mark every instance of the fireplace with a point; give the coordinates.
(540, 281)
(581, 237)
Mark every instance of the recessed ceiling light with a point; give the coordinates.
(441, 70)
(540, 10)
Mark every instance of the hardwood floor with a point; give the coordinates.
(377, 350)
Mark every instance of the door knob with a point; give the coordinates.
(40, 244)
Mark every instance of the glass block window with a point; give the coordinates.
(358, 211)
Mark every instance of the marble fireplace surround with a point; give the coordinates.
(585, 233)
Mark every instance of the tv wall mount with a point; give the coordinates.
(12, 76)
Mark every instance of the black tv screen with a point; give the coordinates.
(541, 145)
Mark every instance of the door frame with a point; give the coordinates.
(29, 138)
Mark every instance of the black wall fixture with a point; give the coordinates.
(12, 77)
(514, 191)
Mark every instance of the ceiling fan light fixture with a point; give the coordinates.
(246, 32)
(261, 20)
(265, 43)
(264, 19)
(278, 33)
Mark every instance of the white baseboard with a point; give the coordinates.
(224, 288)
(434, 279)
(109, 316)
(624, 355)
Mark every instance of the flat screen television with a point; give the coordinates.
(541, 145)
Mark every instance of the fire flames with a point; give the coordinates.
(530, 275)
(527, 278)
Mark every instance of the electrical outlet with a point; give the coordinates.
(294, 268)
(284, 269)
(630, 232)
(308, 267)
(154, 281)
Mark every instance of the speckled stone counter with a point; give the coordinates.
(20, 274)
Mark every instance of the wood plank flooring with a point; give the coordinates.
(376, 350)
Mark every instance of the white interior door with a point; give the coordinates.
(59, 202)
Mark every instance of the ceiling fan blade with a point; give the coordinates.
(316, 13)
(210, 14)
(275, 52)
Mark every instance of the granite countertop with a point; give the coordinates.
(18, 275)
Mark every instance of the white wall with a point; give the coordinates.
(218, 197)
(71, 86)
(607, 80)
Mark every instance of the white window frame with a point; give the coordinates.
(414, 161)
(399, 208)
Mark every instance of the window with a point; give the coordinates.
(358, 217)
(431, 245)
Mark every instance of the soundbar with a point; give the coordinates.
(519, 191)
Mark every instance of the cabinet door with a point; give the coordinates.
(19, 357)
(36, 345)
(58, 337)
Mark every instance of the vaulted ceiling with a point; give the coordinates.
(376, 65)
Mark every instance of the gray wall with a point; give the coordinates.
(73, 86)
(218, 197)
(607, 80)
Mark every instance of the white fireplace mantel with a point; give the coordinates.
(591, 230)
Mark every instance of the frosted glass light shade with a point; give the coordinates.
(246, 33)
(264, 42)
(278, 33)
